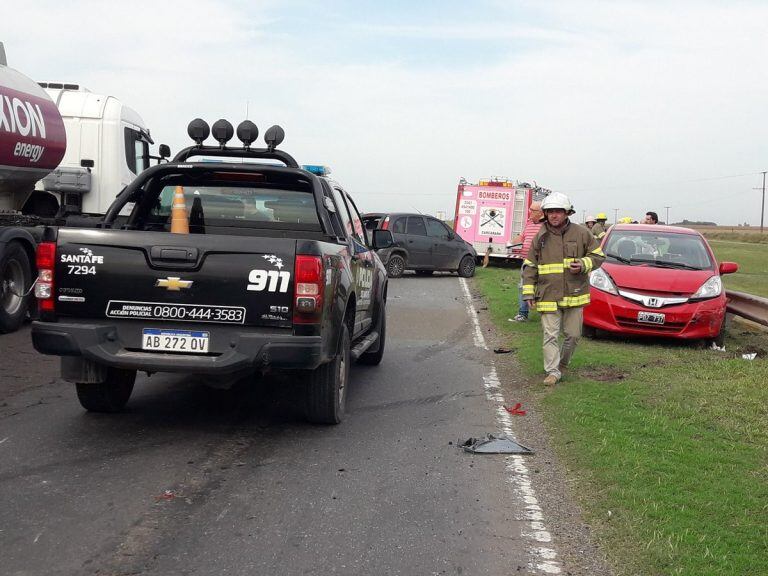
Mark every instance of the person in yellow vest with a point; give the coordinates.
(556, 280)
(600, 227)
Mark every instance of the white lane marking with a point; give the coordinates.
(543, 558)
(479, 339)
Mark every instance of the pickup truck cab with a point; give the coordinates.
(276, 271)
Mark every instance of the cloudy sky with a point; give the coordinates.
(628, 105)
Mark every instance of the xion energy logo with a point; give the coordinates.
(21, 117)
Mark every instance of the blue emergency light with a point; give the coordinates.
(317, 170)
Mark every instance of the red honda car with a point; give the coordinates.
(658, 281)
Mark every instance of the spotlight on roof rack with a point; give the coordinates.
(198, 130)
(223, 131)
(274, 137)
(247, 132)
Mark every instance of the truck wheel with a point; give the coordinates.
(327, 394)
(467, 267)
(373, 357)
(15, 279)
(396, 266)
(109, 396)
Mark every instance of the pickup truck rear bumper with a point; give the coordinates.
(119, 346)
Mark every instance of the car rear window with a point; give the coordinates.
(239, 206)
(662, 248)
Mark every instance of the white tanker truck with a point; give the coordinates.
(65, 153)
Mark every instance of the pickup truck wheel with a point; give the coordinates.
(109, 396)
(467, 267)
(395, 266)
(327, 394)
(373, 357)
(15, 279)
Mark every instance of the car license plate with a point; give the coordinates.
(156, 339)
(650, 318)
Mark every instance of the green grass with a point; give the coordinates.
(670, 438)
(752, 259)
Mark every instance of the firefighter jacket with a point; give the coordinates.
(599, 230)
(546, 278)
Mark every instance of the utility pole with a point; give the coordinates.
(666, 221)
(762, 206)
(583, 215)
(615, 215)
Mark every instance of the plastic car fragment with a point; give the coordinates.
(494, 445)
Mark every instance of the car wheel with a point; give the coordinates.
(467, 267)
(396, 266)
(15, 279)
(109, 396)
(589, 332)
(327, 394)
(373, 357)
(424, 272)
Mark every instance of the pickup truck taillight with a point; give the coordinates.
(309, 286)
(45, 261)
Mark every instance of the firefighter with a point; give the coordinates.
(599, 229)
(590, 222)
(556, 280)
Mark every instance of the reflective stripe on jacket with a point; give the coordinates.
(545, 274)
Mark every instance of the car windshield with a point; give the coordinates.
(661, 249)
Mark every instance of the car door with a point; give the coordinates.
(362, 262)
(444, 255)
(418, 243)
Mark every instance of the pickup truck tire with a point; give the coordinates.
(467, 267)
(327, 393)
(373, 357)
(15, 279)
(109, 396)
(395, 266)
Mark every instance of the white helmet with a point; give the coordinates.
(558, 200)
(590, 219)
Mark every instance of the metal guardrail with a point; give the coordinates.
(749, 306)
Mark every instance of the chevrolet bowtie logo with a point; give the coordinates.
(173, 283)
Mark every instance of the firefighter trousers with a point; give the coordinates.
(567, 320)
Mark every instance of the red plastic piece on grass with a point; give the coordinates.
(515, 410)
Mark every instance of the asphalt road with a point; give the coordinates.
(192, 480)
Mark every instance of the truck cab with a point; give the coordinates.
(107, 146)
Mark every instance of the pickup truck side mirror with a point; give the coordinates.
(382, 239)
(164, 150)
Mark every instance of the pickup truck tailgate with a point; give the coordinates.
(240, 280)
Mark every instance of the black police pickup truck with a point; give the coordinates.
(276, 271)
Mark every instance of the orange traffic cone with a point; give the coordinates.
(179, 218)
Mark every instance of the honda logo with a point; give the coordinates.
(654, 302)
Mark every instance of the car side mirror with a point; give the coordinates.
(164, 150)
(382, 239)
(728, 267)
